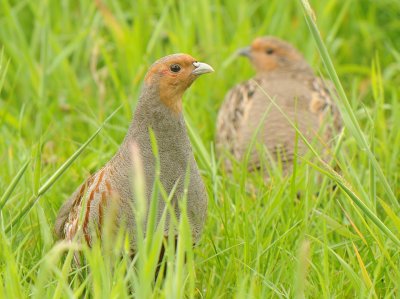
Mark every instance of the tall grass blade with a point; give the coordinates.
(346, 110)
(51, 181)
(13, 184)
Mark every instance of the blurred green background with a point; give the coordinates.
(67, 65)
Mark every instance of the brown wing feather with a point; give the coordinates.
(322, 103)
(232, 114)
(68, 208)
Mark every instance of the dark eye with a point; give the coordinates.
(175, 68)
(269, 51)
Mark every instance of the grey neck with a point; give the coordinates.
(168, 127)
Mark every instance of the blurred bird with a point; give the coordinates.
(160, 109)
(284, 88)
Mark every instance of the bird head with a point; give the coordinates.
(172, 75)
(268, 54)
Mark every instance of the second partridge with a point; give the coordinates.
(284, 88)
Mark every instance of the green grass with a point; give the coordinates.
(66, 66)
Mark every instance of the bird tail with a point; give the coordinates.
(62, 218)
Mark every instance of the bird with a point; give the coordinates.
(284, 93)
(158, 110)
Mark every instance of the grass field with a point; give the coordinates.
(65, 66)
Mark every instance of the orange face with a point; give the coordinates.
(174, 74)
(270, 53)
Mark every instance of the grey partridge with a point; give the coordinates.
(283, 93)
(160, 109)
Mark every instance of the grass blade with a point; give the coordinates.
(355, 199)
(50, 182)
(13, 184)
(347, 113)
(198, 145)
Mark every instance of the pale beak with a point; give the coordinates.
(244, 52)
(201, 68)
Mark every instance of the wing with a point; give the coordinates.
(322, 104)
(231, 116)
(66, 223)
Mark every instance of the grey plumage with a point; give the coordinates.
(156, 110)
(285, 80)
